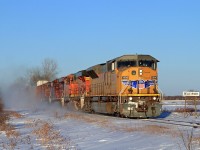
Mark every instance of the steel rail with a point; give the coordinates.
(174, 122)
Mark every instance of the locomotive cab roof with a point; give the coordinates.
(104, 67)
(133, 57)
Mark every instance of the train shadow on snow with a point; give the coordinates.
(164, 114)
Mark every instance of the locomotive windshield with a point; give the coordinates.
(126, 63)
(147, 63)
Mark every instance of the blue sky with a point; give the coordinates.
(81, 33)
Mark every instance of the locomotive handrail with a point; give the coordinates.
(120, 94)
(161, 93)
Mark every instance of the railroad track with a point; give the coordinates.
(174, 122)
(157, 120)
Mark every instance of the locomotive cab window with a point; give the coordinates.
(127, 63)
(147, 63)
(113, 66)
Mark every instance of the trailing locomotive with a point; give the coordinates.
(126, 86)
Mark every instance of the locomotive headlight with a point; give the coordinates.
(140, 71)
(154, 98)
(130, 98)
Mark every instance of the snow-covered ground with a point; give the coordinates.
(47, 126)
(174, 104)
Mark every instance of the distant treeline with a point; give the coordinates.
(178, 98)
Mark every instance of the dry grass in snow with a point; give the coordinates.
(48, 136)
(11, 134)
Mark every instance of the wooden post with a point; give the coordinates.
(185, 108)
(195, 105)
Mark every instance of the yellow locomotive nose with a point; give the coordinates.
(141, 80)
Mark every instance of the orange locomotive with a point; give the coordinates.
(125, 86)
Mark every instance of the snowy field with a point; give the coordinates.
(44, 126)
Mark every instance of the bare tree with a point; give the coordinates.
(47, 71)
(34, 75)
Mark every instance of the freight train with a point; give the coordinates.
(125, 86)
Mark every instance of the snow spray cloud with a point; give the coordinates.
(18, 95)
(15, 91)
